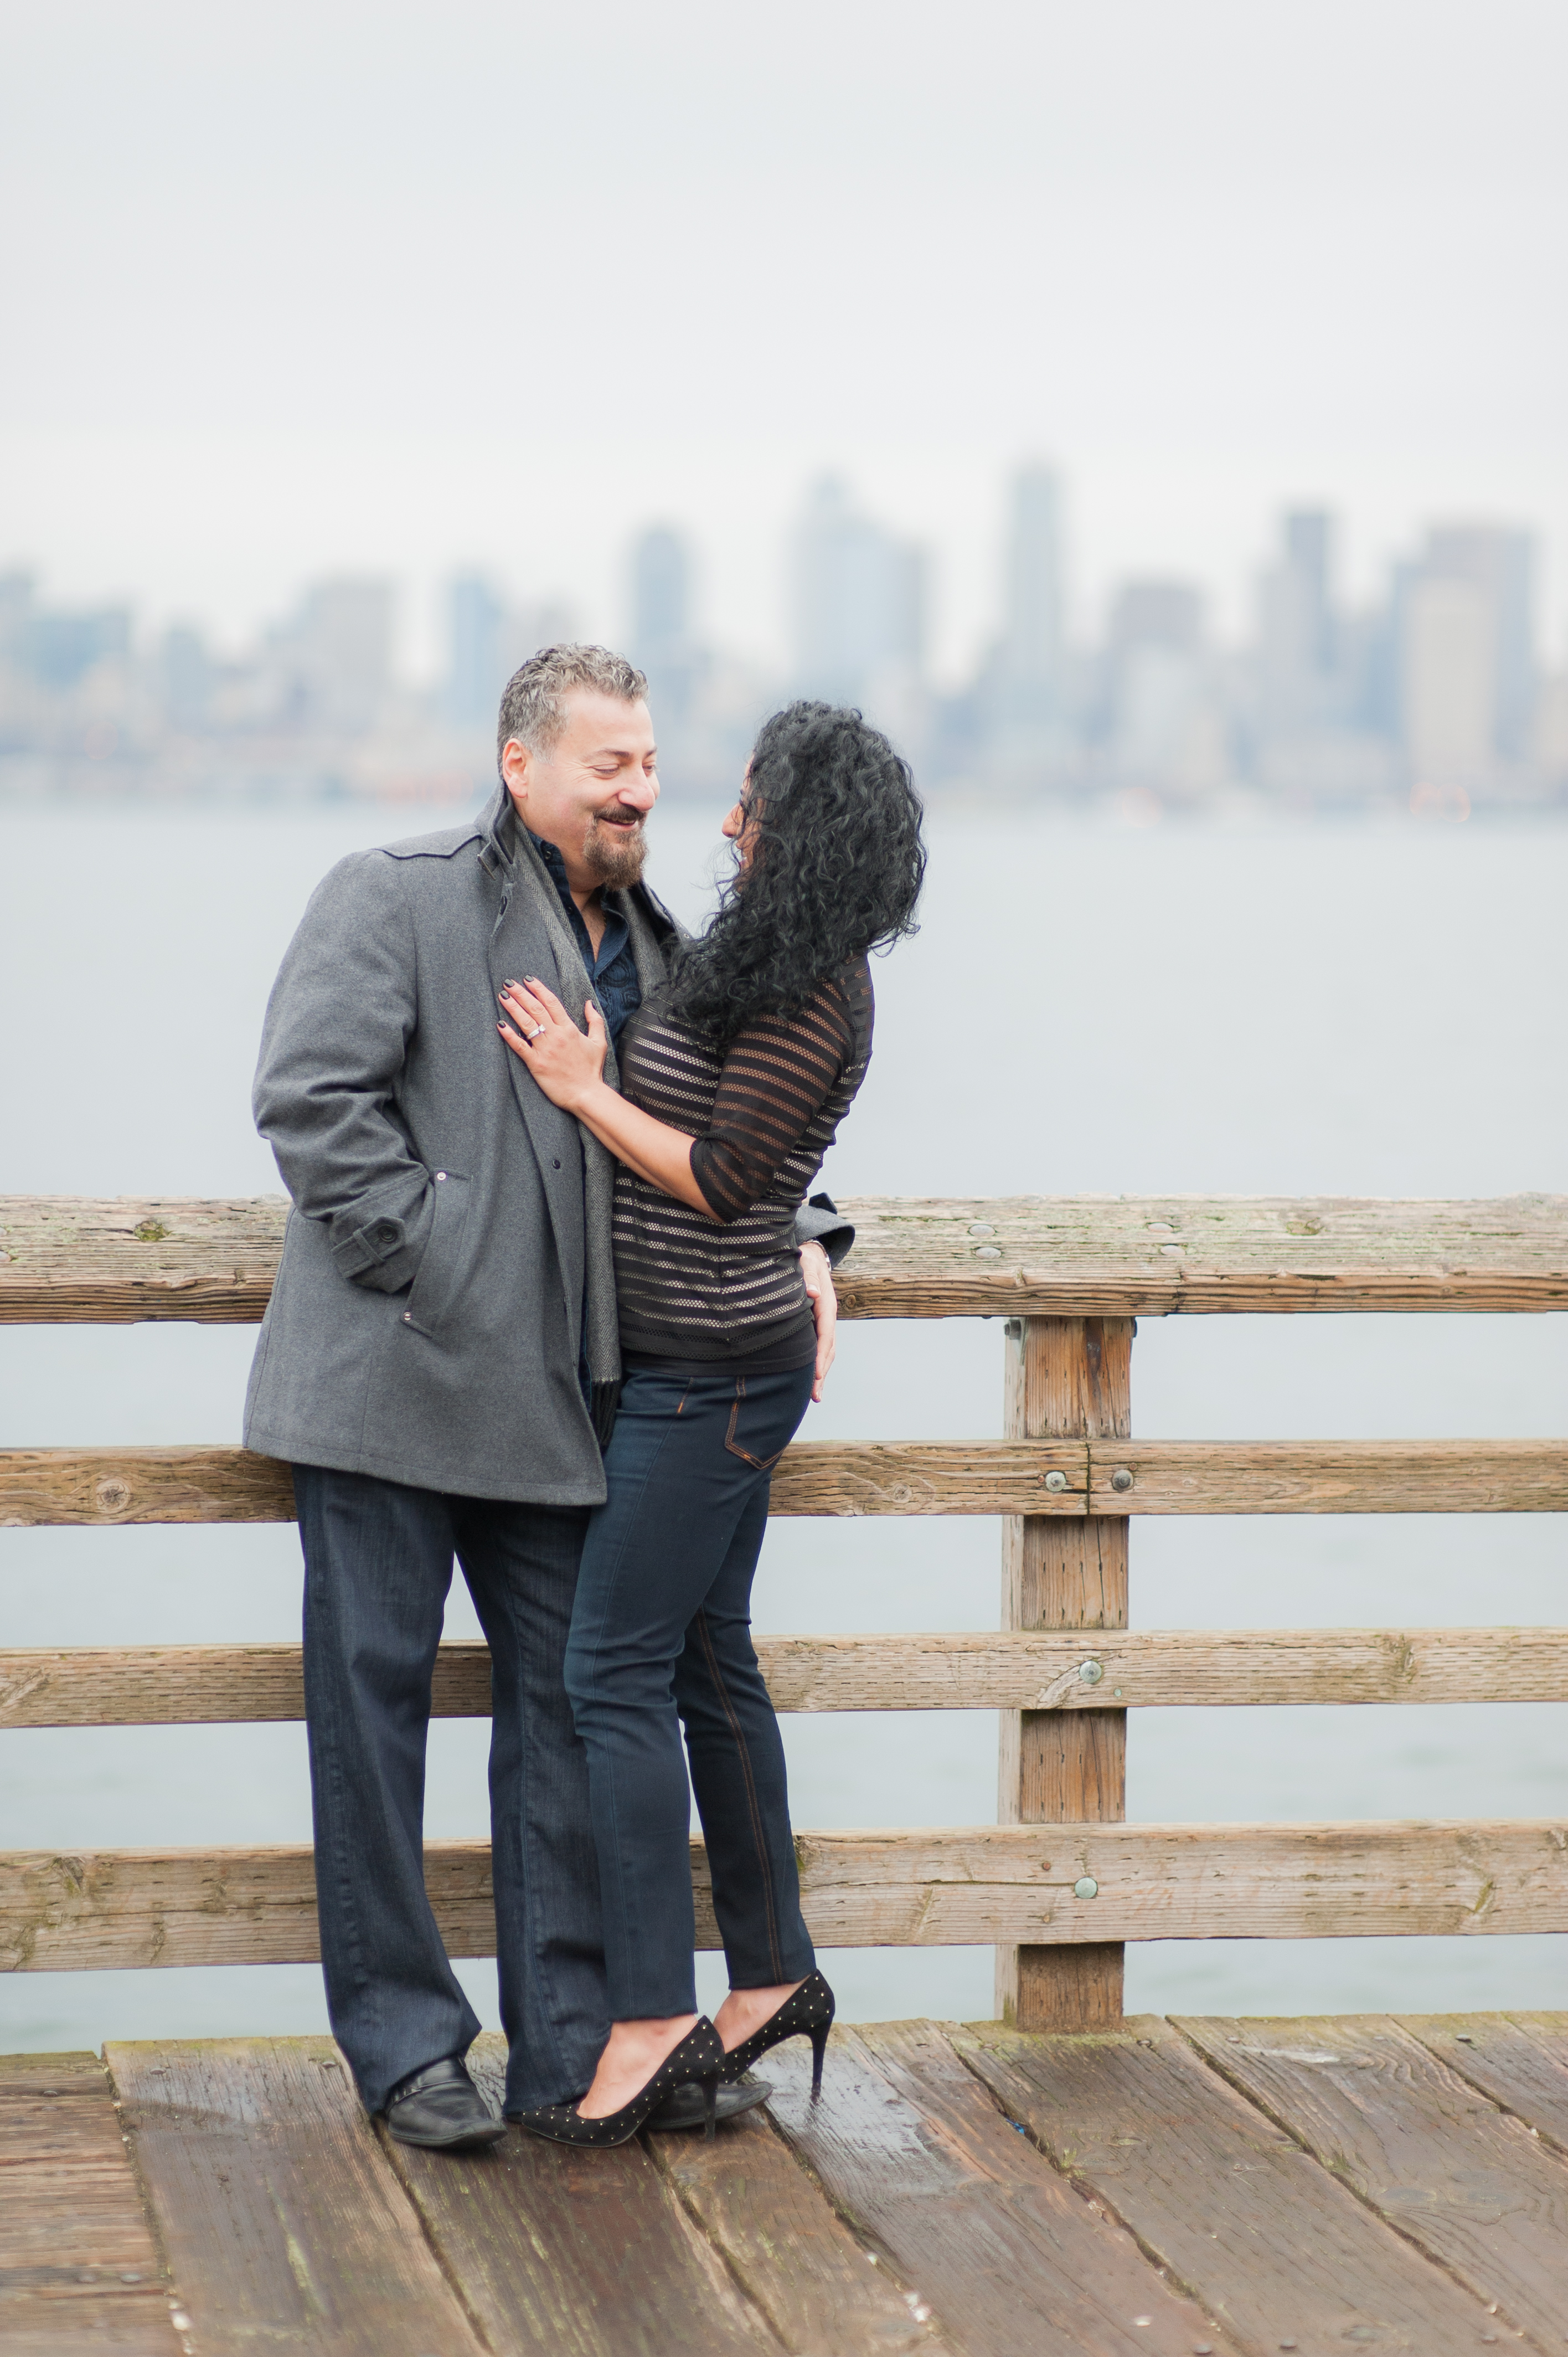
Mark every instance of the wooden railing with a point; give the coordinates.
(1062, 1882)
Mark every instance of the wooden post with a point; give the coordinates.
(1067, 1378)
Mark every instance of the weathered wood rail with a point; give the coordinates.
(1062, 1882)
(121, 1260)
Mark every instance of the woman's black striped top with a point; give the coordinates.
(691, 1288)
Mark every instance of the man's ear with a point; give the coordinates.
(517, 763)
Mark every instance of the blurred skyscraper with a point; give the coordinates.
(1297, 640)
(1034, 638)
(1021, 704)
(1160, 712)
(477, 670)
(1467, 675)
(858, 612)
(487, 637)
(661, 639)
(335, 655)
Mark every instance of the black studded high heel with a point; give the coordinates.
(699, 2056)
(807, 2014)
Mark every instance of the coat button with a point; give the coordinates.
(408, 1317)
(555, 1162)
(440, 1174)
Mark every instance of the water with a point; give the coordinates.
(1329, 1011)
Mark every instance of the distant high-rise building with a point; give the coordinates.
(661, 595)
(337, 654)
(477, 668)
(1297, 637)
(486, 639)
(661, 641)
(1448, 686)
(1033, 635)
(1160, 715)
(185, 676)
(859, 610)
(1497, 565)
(58, 649)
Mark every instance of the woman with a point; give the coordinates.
(733, 1083)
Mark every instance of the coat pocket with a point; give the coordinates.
(430, 1298)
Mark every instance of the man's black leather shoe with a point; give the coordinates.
(441, 2107)
(683, 2107)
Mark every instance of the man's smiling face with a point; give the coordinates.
(590, 792)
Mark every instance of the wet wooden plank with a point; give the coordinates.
(1463, 2182)
(980, 2230)
(938, 1887)
(1519, 2059)
(1275, 2247)
(285, 2227)
(124, 1259)
(576, 2253)
(106, 1487)
(822, 2295)
(1040, 1670)
(79, 2269)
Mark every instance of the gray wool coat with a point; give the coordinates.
(446, 1266)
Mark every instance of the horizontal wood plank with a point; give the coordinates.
(1329, 1476)
(284, 2222)
(789, 2247)
(942, 1886)
(79, 2269)
(68, 1259)
(162, 1685)
(570, 2252)
(42, 1487)
(1455, 2176)
(1279, 2253)
(1519, 2059)
(988, 2238)
(58, 1486)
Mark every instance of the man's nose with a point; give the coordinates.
(639, 793)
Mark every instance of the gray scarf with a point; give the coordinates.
(601, 1322)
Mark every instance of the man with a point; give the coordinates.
(439, 1364)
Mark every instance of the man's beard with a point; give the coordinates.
(616, 854)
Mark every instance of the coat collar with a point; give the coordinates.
(505, 849)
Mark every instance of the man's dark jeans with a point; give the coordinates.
(377, 1561)
(661, 1634)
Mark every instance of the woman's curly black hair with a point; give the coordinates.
(835, 870)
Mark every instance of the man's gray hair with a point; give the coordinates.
(533, 703)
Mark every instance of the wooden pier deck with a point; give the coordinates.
(1173, 2188)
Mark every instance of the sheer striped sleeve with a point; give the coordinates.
(778, 1075)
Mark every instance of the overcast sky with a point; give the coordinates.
(333, 286)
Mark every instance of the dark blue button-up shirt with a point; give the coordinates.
(613, 971)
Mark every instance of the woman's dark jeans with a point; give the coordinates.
(661, 1635)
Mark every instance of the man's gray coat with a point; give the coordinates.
(447, 1267)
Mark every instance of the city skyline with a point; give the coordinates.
(1444, 679)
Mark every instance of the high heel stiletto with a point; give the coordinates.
(699, 2056)
(807, 2014)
